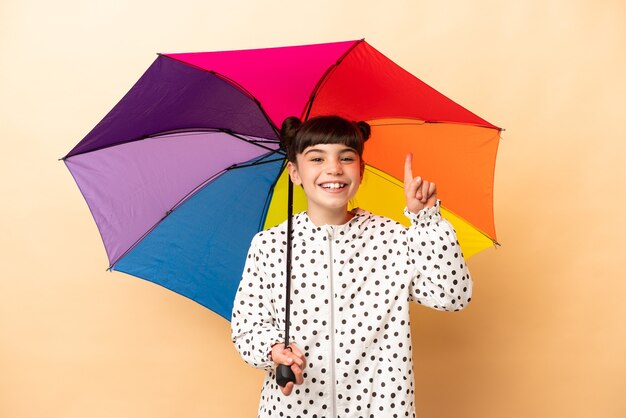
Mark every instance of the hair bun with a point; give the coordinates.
(288, 130)
(365, 129)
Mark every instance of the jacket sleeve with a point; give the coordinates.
(440, 278)
(253, 322)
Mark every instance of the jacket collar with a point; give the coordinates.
(305, 229)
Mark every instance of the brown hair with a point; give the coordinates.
(296, 136)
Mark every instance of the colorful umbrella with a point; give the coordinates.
(186, 168)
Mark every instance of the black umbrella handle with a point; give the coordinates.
(284, 374)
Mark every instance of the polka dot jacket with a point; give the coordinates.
(350, 294)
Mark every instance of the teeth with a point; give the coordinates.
(333, 185)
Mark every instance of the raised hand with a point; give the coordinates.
(293, 358)
(419, 193)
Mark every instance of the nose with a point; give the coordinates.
(334, 167)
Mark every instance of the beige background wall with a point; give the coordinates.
(545, 335)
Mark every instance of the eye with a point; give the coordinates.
(348, 159)
(316, 159)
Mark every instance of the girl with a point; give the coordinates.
(353, 276)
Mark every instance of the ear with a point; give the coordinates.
(362, 168)
(293, 173)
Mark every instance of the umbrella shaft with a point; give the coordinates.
(288, 260)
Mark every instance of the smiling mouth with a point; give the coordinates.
(333, 186)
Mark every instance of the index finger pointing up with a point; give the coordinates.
(408, 168)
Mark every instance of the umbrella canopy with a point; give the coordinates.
(186, 168)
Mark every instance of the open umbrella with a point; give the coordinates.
(186, 168)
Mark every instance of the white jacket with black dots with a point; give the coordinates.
(350, 293)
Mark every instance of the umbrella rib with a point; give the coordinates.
(214, 176)
(268, 198)
(232, 83)
(179, 131)
(167, 213)
(255, 163)
(325, 76)
(250, 141)
(250, 95)
(378, 175)
(416, 122)
(495, 243)
(192, 192)
(425, 122)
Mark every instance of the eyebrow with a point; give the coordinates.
(346, 149)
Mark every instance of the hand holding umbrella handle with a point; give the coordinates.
(284, 375)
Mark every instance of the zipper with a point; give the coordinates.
(332, 323)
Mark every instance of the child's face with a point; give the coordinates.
(330, 175)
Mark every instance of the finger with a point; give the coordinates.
(424, 191)
(277, 349)
(297, 371)
(297, 360)
(286, 390)
(412, 188)
(294, 358)
(418, 188)
(299, 355)
(432, 190)
(432, 200)
(294, 347)
(408, 168)
(282, 356)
